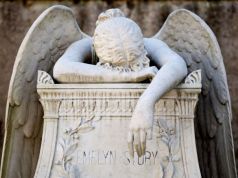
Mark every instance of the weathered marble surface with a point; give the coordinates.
(86, 125)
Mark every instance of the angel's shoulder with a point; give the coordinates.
(154, 41)
(81, 43)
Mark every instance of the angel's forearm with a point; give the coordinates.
(75, 72)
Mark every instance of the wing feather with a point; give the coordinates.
(49, 36)
(22, 111)
(190, 37)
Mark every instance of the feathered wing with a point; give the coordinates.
(49, 36)
(190, 37)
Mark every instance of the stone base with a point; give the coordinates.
(86, 126)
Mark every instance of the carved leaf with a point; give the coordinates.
(169, 170)
(159, 171)
(60, 152)
(74, 172)
(85, 129)
(163, 124)
(71, 149)
(175, 145)
(165, 139)
(176, 158)
(68, 159)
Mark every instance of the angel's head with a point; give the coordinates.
(118, 42)
(110, 13)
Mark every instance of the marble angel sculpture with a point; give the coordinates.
(118, 53)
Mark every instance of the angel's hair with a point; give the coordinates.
(109, 14)
(119, 44)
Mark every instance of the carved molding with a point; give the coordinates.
(44, 78)
(122, 106)
(194, 78)
(84, 101)
(51, 108)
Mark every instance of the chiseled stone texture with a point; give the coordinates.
(16, 18)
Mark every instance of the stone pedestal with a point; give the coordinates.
(86, 126)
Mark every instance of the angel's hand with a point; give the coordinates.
(116, 76)
(140, 129)
(146, 73)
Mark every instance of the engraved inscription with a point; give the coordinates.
(113, 157)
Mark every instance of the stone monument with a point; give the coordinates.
(119, 105)
(86, 125)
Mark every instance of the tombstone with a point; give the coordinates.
(85, 131)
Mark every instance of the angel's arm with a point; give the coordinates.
(172, 70)
(70, 68)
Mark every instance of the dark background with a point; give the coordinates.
(16, 18)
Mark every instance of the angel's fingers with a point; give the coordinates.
(138, 150)
(130, 143)
(149, 134)
(137, 142)
(155, 70)
(151, 75)
(143, 141)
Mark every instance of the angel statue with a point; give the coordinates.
(117, 52)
